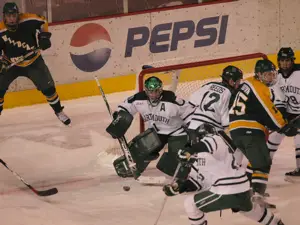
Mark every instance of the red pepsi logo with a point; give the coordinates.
(90, 47)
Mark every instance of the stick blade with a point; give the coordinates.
(48, 192)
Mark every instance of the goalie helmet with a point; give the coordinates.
(265, 72)
(285, 59)
(232, 76)
(154, 89)
(11, 15)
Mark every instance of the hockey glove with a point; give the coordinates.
(184, 156)
(44, 40)
(3, 66)
(171, 190)
(180, 187)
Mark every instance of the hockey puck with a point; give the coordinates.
(126, 188)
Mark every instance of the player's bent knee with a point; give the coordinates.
(2, 93)
(49, 91)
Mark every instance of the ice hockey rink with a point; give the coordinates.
(77, 161)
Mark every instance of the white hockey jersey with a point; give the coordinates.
(216, 169)
(168, 117)
(212, 105)
(287, 91)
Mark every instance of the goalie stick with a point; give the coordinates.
(122, 140)
(44, 193)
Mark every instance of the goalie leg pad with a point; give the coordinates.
(122, 168)
(119, 126)
(145, 144)
(168, 164)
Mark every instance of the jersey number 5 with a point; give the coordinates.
(238, 108)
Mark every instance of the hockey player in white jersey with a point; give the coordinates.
(287, 100)
(213, 99)
(219, 182)
(165, 116)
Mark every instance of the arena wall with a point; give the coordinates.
(114, 48)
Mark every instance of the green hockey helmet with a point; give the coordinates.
(232, 73)
(153, 89)
(11, 15)
(265, 71)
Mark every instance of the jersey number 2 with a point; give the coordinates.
(214, 98)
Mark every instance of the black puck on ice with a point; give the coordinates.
(126, 188)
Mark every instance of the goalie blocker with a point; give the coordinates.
(120, 124)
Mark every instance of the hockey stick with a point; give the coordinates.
(166, 197)
(289, 125)
(48, 192)
(122, 140)
(21, 59)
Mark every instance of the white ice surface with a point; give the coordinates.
(77, 161)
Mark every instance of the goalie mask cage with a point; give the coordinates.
(186, 78)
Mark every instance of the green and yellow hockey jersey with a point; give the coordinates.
(15, 44)
(253, 110)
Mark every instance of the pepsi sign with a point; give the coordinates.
(84, 36)
(166, 36)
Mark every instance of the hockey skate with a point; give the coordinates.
(260, 199)
(293, 176)
(63, 118)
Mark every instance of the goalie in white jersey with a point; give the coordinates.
(213, 100)
(287, 100)
(165, 116)
(220, 183)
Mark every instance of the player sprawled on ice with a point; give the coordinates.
(219, 182)
(165, 116)
(251, 116)
(213, 99)
(288, 86)
(17, 39)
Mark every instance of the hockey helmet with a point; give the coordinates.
(265, 71)
(285, 59)
(11, 9)
(153, 89)
(232, 73)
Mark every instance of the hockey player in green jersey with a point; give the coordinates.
(218, 182)
(165, 116)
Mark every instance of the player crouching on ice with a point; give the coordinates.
(220, 183)
(165, 116)
(19, 44)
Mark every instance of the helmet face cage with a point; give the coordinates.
(11, 10)
(153, 89)
(265, 71)
(269, 78)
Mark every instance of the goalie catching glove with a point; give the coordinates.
(120, 124)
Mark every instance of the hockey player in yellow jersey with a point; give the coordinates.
(20, 35)
(251, 116)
